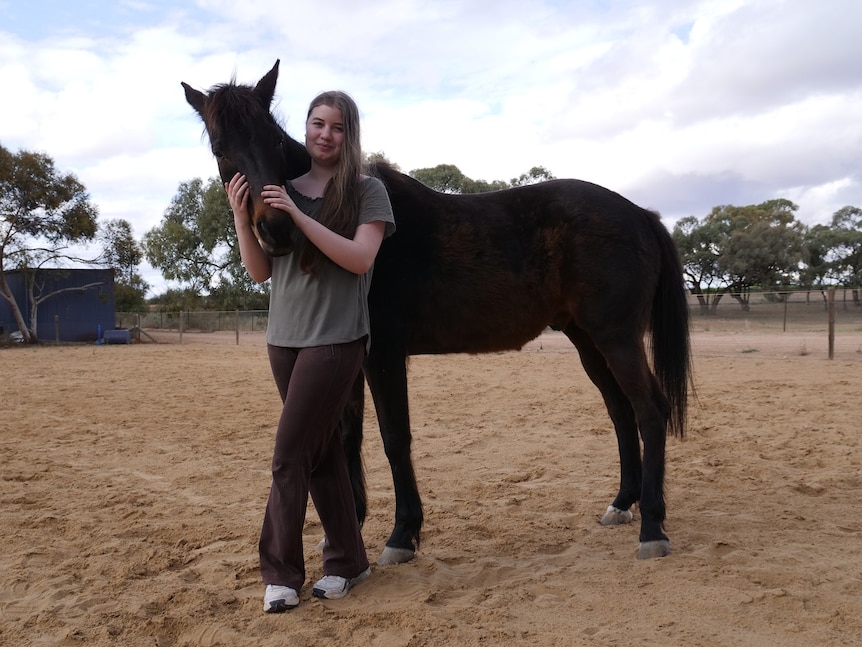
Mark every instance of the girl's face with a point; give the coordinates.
(324, 135)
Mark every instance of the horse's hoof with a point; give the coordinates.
(616, 517)
(651, 549)
(395, 556)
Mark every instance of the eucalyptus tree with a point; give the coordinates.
(448, 178)
(698, 242)
(761, 246)
(45, 217)
(847, 249)
(122, 252)
(734, 249)
(196, 246)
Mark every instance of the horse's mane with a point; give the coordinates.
(395, 179)
(383, 170)
(230, 104)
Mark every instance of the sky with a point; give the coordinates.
(678, 105)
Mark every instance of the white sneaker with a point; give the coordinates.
(279, 598)
(335, 587)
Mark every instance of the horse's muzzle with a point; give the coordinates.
(275, 235)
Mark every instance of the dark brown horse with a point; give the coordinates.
(489, 272)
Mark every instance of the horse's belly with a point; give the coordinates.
(453, 338)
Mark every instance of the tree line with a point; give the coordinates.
(734, 250)
(47, 215)
(196, 246)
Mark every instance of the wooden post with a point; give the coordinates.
(57, 329)
(181, 326)
(831, 323)
(237, 326)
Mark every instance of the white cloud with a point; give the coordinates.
(679, 106)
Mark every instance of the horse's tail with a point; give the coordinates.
(671, 347)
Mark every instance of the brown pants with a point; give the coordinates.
(314, 384)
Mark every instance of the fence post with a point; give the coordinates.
(181, 326)
(57, 329)
(237, 326)
(831, 323)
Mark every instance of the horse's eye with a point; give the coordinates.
(217, 153)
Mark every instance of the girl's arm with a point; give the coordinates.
(354, 255)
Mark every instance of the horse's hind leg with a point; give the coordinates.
(623, 418)
(651, 409)
(626, 376)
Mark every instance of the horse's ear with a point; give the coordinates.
(195, 98)
(265, 88)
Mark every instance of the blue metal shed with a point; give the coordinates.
(75, 313)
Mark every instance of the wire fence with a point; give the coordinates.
(799, 312)
(245, 321)
(768, 311)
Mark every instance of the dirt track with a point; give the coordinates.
(134, 479)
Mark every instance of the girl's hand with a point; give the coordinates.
(276, 196)
(237, 195)
(255, 260)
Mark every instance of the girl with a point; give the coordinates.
(317, 337)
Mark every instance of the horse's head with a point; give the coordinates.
(246, 138)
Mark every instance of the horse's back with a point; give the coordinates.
(486, 272)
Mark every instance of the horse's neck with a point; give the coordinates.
(296, 159)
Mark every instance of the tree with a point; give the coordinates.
(380, 156)
(847, 249)
(196, 242)
(734, 249)
(124, 253)
(448, 178)
(533, 176)
(698, 244)
(176, 247)
(196, 245)
(764, 248)
(43, 214)
(819, 271)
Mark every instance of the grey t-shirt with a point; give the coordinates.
(331, 308)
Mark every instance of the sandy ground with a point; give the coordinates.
(133, 480)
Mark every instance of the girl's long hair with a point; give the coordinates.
(340, 209)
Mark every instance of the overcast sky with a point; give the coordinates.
(680, 106)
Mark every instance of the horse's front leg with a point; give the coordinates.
(387, 378)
